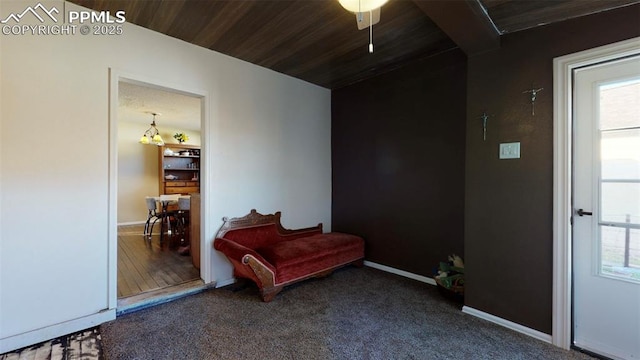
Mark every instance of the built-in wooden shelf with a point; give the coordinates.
(184, 168)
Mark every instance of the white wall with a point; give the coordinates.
(268, 148)
(138, 168)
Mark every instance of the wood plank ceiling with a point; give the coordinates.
(318, 41)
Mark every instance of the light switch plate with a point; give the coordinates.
(510, 150)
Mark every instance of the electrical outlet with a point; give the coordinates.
(510, 150)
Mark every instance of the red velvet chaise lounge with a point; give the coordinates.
(273, 257)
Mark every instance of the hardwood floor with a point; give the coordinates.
(145, 266)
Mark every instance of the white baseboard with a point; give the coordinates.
(51, 332)
(133, 223)
(465, 309)
(403, 273)
(508, 324)
(226, 282)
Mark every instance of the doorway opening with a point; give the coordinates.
(157, 218)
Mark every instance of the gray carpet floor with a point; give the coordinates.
(353, 314)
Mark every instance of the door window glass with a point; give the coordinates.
(619, 215)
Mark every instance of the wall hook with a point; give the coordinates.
(485, 120)
(534, 93)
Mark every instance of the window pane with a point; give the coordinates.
(634, 249)
(612, 246)
(614, 253)
(619, 201)
(620, 105)
(620, 154)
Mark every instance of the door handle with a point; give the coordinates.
(581, 212)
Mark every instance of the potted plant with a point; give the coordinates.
(181, 137)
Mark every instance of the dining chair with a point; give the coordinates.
(163, 215)
(169, 218)
(182, 224)
(152, 216)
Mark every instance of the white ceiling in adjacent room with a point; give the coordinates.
(136, 104)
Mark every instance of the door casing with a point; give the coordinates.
(563, 68)
(206, 269)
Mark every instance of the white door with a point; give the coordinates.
(606, 200)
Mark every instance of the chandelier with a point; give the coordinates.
(152, 135)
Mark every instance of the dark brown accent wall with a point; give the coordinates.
(401, 179)
(509, 203)
(398, 147)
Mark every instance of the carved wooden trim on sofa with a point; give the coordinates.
(266, 276)
(254, 218)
